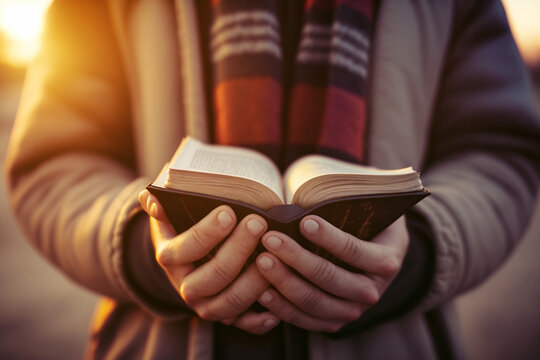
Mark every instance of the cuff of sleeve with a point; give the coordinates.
(447, 251)
(134, 264)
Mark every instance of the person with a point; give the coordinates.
(118, 84)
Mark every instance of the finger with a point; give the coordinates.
(162, 233)
(200, 239)
(224, 267)
(321, 272)
(143, 196)
(303, 295)
(231, 302)
(176, 274)
(395, 236)
(368, 256)
(284, 310)
(256, 323)
(229, 321)
(152, 206)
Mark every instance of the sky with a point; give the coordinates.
(21, 22)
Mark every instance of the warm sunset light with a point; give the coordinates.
(523, 18)
(21, 23)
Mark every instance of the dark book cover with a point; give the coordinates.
(363, 216)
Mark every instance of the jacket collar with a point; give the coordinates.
(408, 51)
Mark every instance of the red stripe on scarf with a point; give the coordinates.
(307, 108)
(248, 111)
(344, 123)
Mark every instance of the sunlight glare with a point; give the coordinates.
(523, 19)
(22, 22)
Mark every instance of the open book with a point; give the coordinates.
(248, 176)
(359, 199)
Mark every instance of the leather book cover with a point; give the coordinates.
(363, 216)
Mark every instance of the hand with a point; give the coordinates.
(216, 290)
(329, 296)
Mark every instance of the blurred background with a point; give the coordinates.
(45, 316)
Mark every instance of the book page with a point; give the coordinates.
(225, 160)
(162, 176)
(312, 166)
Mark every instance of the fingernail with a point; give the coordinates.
(311, 226)
(266, 297)
(255, 227)
(270, 323)
(273, 242)
(142, 195)
(265, 262)
(224, 219)
(153, 210)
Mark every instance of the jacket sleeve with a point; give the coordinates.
(71, 163)
(482, 165)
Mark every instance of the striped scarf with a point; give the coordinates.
(313, 102)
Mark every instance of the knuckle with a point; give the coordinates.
(198, 237)
(245, 247)
(358, 290)
(390, 265)
(371, 296)
(164, 256)
(309, 300)
(352, 249)
(324, 271)
(206, 313)
(235, 300)
(282, 281)
(354, 313)
(221, 271)
(187, 294)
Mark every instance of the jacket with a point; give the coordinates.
(100, 115)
